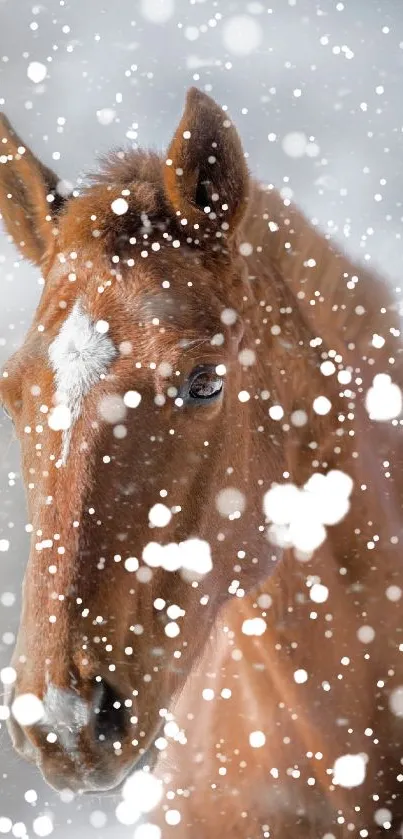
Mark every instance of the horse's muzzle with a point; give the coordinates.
(81, 744)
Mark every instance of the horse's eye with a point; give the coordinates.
(205, 385)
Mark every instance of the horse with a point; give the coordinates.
(208, 405)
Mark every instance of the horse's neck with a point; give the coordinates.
(342, 303)
(343, 306)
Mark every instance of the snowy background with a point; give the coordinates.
(315, 89)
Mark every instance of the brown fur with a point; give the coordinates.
(306, 726)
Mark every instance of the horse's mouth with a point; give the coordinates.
(146, 761)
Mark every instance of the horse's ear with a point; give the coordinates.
(29, 201)
(206, 177)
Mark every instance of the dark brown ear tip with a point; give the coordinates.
(194, 94)
(197, 98)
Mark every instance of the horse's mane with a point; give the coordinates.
(125, 166)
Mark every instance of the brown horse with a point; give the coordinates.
(195, 401)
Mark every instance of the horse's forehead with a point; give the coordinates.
(81, 350)
(80, 327)
(83, 342)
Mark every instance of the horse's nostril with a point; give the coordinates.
(111, 718)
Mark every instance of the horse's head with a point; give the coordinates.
(132, 399)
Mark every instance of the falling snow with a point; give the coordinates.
(257, 739)
(396, 701)
(143, 790)
(132, 398)
(242, 35)
(27, 709)
(60, 418)
(157, 11)
(112, 408)
(120, 206)
(298, 515)
(159, 515)
(42, 826)
(319, 593)
(106, 116)
(294, 144)
(384, 399)
(36, 72)
(192, 555)
(254, 626)
(300, 676)
(349, 770)
(230, 502)
(147, 831)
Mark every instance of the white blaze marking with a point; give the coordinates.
(79, 355)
